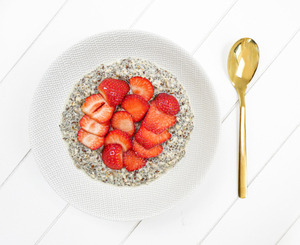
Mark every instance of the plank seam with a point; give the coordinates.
(14, 170)
(218, 221)
(33, 42)
(213, 28)
(276, 151)
(130, 232)
(141, 14)
(288, 229)
(52, 224)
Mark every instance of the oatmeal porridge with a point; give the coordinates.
(90, 161)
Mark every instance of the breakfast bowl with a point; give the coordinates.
(124, 202)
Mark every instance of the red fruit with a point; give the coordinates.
(142, 87)
(149, 139)
(158, 121)
(132, 161)
(103, 114)
(136, 105)
(97, 108)
(91, 126)
(123, 120)
(92, 103)
(167, 104)
(90, 140)
(113, 90)
(112, 156)
(143, 152)
(118, 137)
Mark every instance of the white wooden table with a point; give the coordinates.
(34, 32)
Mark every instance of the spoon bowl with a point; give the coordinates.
(242, 63)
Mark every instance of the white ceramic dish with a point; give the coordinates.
(104, 200)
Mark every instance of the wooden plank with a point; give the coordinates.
(76, 21)
(292, 236)
(185, 22)
(273, 205)
(28, 205)
(246, 19)
(19, 27)
(76, 227)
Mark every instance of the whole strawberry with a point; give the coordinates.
(112, 156)
(113, 90)
(167, 104)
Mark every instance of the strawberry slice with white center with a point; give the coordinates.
(123, 120)
(157, 121)
(97, 108)
(93, 127)
(103, 114)
(146, 153)
(132, 161)
(118, 137)
(112, 156)
(149, 139)
(142, 87)
(113, 90)
(92, 141)
(92, 103)
(136, 105)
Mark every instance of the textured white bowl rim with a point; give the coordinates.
(104, 200)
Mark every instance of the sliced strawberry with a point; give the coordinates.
(132, 161)
(112, 156)
(103, 114)
(149, 139)
(118, 137)
(113, 90)
(167, 104)
(136, 105)
(143, 152)
(92, 103)
(158, 121)
(90, 140)
(97, 108)
(123, 120)
(93, 127)
(142, 87)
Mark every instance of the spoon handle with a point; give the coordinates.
(242, 184)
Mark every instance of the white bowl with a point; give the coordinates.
(104, 200)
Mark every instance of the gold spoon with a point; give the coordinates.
(242, 63)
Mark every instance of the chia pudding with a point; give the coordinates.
(173, 149)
